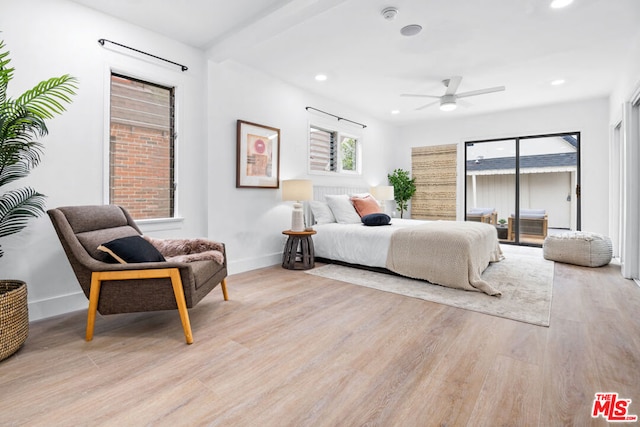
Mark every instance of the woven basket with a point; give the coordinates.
(14, 316)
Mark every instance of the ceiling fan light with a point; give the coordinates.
(559, 4)
(449, 105)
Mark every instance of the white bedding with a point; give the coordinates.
(353, 243)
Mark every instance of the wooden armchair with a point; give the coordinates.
(533, 224)
(486, 215)
(135, 287)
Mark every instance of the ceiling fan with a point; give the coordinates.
(448, 100)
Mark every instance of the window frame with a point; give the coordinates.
(340, 132)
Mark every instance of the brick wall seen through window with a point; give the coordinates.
(141, 158)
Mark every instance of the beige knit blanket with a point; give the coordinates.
(447, 253)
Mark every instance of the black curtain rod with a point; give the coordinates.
(337, 117)
(183, 67)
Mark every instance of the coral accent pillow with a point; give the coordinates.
(365, 205)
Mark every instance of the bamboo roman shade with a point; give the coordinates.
(435, 171)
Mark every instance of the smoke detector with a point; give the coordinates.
(389, 13)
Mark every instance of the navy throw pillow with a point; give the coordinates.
(376, 219)
(131, 249)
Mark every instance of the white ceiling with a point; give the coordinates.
(521, 44)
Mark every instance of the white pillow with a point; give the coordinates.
(343, 209)
(321, 212)
(361, 195)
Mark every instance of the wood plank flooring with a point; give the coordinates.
(290, 349)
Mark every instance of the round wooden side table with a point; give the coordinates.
(298, 251)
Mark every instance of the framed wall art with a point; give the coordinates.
(258, 156)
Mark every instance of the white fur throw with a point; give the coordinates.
(188, 250)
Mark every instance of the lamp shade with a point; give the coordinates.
(382, 192)
(297, 189)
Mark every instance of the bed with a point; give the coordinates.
(447, 253)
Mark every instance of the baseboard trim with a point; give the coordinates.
(248, 264)
(57, 305)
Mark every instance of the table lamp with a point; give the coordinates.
(297, 190)
(382, 193)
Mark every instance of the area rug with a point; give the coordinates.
(524, 277)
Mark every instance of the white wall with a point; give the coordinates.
(628, 82)
(60, 37)
(625, 182)
(537, 190)
(250, 221)
(210, 98)
(590, 117)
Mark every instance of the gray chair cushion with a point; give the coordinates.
(89, 218)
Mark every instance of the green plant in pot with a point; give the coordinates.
(404, 188)
(22, 123)
(502, 230)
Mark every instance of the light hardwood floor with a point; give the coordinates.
(290, 349)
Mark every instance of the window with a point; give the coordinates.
(141, 152)
(349, 154)
(333, 151)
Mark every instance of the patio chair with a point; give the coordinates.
(533, 224)
(486, 215)
(136, 286)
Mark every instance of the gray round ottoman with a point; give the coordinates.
(578, 247)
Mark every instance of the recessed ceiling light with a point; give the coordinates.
(557, 82)
(410, 30)
(321, 77)
(558, 4)
(395, 111)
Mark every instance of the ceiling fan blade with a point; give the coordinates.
(480, 91)
(427, 105)
(454, 82)
(415, 95)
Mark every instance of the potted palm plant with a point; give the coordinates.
(22, 123)
(404, 188)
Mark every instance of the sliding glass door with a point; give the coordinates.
(491, 184)
(527, 187)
